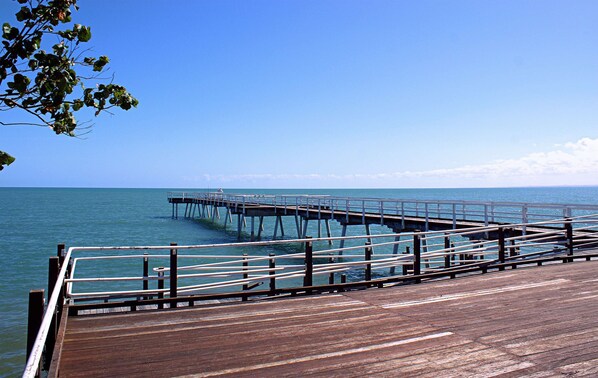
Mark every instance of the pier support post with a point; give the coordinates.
(252, 228)
(328, 233)
(298, 224)
(319, 227)
(275, 227)
(239, 226)
(342, 242)
(260, 228)
(226, 217)
(367, 232)
(305, 228)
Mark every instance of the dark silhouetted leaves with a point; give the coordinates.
(44, 82)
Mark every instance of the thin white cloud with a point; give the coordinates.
(576, 161)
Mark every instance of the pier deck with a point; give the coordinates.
(529, 321)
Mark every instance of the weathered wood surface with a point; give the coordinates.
(539, 322)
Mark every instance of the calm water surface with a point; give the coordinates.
(33, 221)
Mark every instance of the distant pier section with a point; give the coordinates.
(399, 215)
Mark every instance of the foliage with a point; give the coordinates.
(50, 86)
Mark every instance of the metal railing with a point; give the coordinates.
(475, 211)
(195, 272)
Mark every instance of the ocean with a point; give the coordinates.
(34, 220)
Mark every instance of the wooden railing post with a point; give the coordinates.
(53, 270)
(569, 232)
(331, 275)
(309, 265)
(173, 274)
(60, 253)
(145, 273)
(501, 247)
(160, 286)
(447, 256)
(272, 272)
(417, 256)
(35, 317)
(407, 266)
(245, 276)
(368, 257)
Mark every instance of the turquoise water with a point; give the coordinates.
(33, 221)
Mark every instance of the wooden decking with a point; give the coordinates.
(540, 322)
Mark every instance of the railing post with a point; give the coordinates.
(160, 286)
(272, 272)
(173, 274)
(53, 270)
(331, 275)
(417, 256)
(447, 256)
(145, 273)
(569, 232)
(343, 280)
(245, 276)
(368, 257)
(35, 317)
(454, 216)
(501, 247)
(309, 265)
(406, 266)
(60, 253)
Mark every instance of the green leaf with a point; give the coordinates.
(24, 14)
(100, 63)
(9, 32)
(77, 104)
(5, 159)
(20, 83)
(84, 34)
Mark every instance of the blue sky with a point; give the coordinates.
(327, 94)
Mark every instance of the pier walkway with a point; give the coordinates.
(399, 215)
(496, 297)
(533, 321)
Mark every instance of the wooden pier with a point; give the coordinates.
(396, 214)
(528, 322)
(477, 294)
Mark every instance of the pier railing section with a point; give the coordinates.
(132, 278)
(476, 211)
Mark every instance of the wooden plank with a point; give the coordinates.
(532, 321)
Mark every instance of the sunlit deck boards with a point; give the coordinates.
(535, 321)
